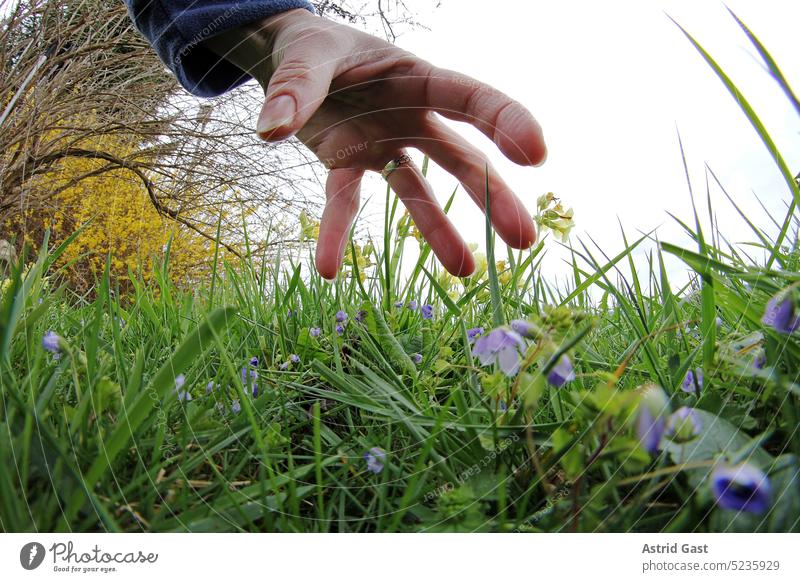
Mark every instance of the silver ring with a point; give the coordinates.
(394, 164)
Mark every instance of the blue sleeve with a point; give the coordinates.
(176, 29)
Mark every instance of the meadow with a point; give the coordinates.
(399, 398)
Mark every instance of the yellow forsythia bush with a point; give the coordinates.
(123, 222)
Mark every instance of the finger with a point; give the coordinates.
(505, 121)
(417, 196)
(467, 163)
(342, 192)
(299, 84)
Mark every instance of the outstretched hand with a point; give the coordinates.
(358, 102)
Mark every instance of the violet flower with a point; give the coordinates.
(474, 333)
(427, 312)
(51, 342)
(524, 328)
(780, 314)
(412, 305)
(741, 488)
(183, 395)
(562, 372)
(693, 382)
(341, 316)
(340, 329)
(374, 458)
(651, 417)
(503, 346)
(684, 425)
(314, 332)
(417, 358)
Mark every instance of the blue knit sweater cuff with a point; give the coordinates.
(177, 28)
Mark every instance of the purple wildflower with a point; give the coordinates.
(683, 425)
(693, 381)
(361, 315)
(210, 387)
(374, 458)
(427, 312)
(741, 488)
(236, 406)
(183, 395)
(51, 342)
(341, 316)
(398, 304)
(760, 360)
(474, 333)
(412, 305)
(340, 329)
(562, 372)
(417, 358)
(501, 345)
(524, 328)
(284, 366)
(651, 417)
(254, 361)
(779, 314)
(294, 358)
(314, 331)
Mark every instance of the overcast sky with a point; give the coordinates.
(611, 83)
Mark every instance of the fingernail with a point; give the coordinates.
(544, 159)
(277, 112)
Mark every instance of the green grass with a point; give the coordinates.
(97, 440)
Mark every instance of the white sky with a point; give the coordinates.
(610, 82)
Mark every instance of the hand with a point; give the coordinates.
(357, 102)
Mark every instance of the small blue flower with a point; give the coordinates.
(314, 332)
(374, 458)
(741, 488)
(294, 358)
(562, 372)
(474, 333)
(210, 387)
(524, 328)
(779, 314)
(183, 395)
(290, 313)
(427, 312)
(340, 329)
(693, 381)
(651, 417)
(417, 358)
(503, 346)
(684, 425)
(760, 360)
(341, 316)
(236, 406)
(51, 342)
(412, 305)
(284, 366)
(254, 361)
(398, 304)
(361, 315)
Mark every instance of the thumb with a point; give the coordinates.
(296, 89)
